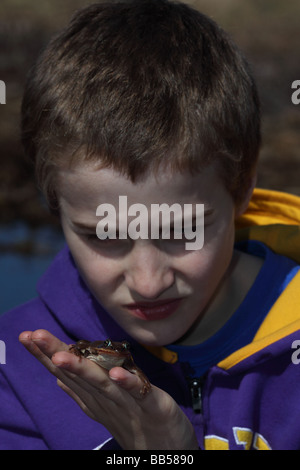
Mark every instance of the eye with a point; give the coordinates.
(107, 343)
(110, 245)
(125, 345)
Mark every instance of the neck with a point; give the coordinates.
(230, 293)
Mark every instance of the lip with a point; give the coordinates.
(156, 310)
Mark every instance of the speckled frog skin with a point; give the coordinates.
(109, 354)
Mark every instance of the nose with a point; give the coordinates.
(149, 271)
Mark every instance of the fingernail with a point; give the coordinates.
(24, 337)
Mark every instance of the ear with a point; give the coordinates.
(242, 206)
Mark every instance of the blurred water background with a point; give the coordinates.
(268, 31)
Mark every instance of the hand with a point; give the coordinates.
(113, 398)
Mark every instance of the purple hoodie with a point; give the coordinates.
(253, 403)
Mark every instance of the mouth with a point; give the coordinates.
(157, 310)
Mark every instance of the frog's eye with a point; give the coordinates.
(125, 345)
(107, 343)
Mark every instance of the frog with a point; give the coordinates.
(109, 354)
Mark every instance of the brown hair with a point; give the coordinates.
(135, 85)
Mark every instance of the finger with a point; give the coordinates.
(26, 339)
(41, 345)
(83, 375)
(86, 370)
(79, 369)
(94, 375)
(92, 378)
(77, 376)
(46, 342)
(129, 382)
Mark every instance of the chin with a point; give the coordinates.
(157, 338)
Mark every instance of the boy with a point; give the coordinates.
(150, 100)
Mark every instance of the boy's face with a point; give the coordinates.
(155, 289)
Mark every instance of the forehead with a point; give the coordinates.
(87, 185)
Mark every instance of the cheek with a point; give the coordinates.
(99, 273)
(201, 270)
(210, 263)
